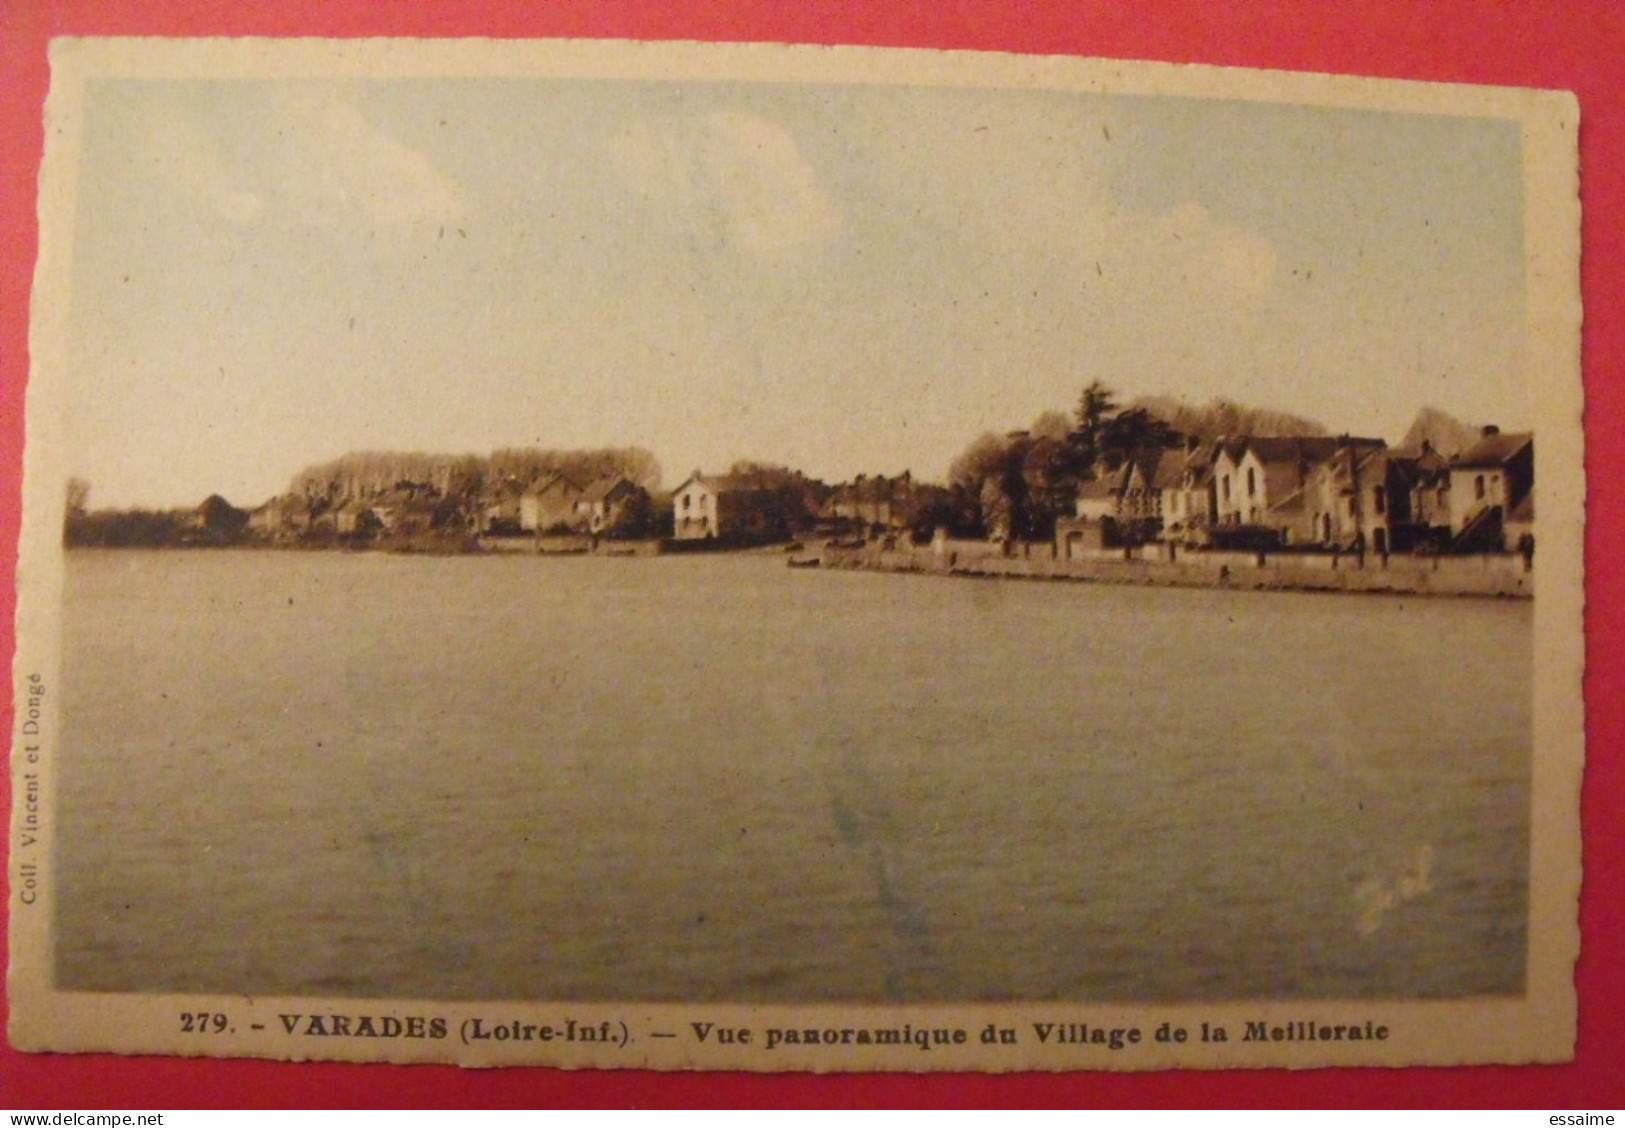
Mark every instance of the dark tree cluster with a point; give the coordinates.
(1015, 486)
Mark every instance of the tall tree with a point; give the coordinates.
(1096, 406)
(978, 476)
(1136, 429)
(1050, 473)
(993, 472)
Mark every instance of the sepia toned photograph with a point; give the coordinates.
(752, 557)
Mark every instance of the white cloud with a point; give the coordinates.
(335, 156)
(1033, 188)
(775, 207)
(1221, 266)
(737, 172)
(313, 153)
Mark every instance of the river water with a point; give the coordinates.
(715, 778)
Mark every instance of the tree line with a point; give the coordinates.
(1014, 485)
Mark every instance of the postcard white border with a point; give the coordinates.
(1537, 1028)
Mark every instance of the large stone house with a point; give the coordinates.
(1101, 498)
(549, 504)
(1430, 495)
(1133, 491)
(1489, 483)
(1260, 483)
(1188, 509)
(726, 508)
(1361, 498)
(602, 505)
(502, 508)
(878, 501)
(1125, 503)
(1152, 473)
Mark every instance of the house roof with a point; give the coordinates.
(509, 488)
(1406, 467)
(721, 484)
(1422, 464)
(1493, 450)
(553, 483)
(1168, 470)
(1159, 468)
(604, 487)
(1302, 450)
(1197, 469)
(1108, 485)
(1291, 503)
(1368, 464)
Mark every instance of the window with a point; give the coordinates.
(1252, 484)
(1226, 483)
(686, 500)
(1478, 487)
(1379, 500)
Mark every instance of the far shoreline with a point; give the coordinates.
(1508, 577)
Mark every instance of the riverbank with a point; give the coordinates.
(567, 544)
(1482, 575)
(572, 544)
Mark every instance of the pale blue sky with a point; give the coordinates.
(843, 278)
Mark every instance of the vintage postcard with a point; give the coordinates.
(789, 558)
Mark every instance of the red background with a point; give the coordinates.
(1577, 45)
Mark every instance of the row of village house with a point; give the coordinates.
(1347, 494)
(552, 504)
(1337, 493)
(705, 507)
